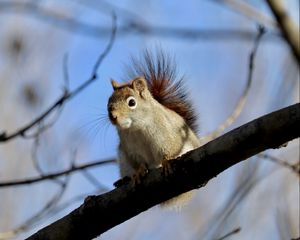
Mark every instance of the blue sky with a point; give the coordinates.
(216, 74)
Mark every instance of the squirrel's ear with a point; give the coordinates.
(139, 84)
(114, 84)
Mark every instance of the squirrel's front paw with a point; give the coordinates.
(166, 167)
(122, 181)
(139, 174)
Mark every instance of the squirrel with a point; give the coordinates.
(154, 119)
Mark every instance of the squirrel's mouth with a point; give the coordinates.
(124, 123)
(119, 121)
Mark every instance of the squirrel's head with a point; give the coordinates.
(129, 103)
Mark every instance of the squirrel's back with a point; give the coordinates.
(164, 84)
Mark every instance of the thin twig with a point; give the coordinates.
(287, 25)
(234, 231)
(241, 103)
(247, 10)
(4, 137)
(42, 127)
(55, 175)
(37, 216)
(56, 209)
(34, 153)
(66, 72)
(245, 185)
(94, 181)
(129, 27)
(295, 167)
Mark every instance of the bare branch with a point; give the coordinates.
(4, 137)
(287, 26)
(293, 167)
(37, 216)
(190, 171)
(244, 186)
(52, 176)
(94, 181)
(234, 231)
(247, 10)
(129, 27)
(241, 103)
(66, 72)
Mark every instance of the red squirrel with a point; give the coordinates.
(154, 118)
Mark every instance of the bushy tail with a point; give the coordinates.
(164, 83)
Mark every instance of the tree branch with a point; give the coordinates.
(52, 176)
(247, 10)
(190, 171)
(67, 95)
(242, 100)
(131, 25)
(234, 231)
(287, 26)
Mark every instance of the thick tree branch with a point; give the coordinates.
(287, 26)
(191, 171)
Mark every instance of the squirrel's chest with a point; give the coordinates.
(141, 149)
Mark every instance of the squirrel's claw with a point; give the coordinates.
(122, 181)
(136, 178)
(139, 174)
(166, 167)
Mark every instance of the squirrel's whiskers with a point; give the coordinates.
(97, 126)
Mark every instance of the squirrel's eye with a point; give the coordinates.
(131, 102)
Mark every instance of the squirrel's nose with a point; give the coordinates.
(113, 116)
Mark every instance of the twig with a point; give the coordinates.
(34, 152)
(66, 72)
(94, 181)
(41, 125)
(295, 168)
(234, 231)
(4, 137)
(189, 171)
(54, 210)
(52, 207)
(128, 28)
(48, 206)
(105, 6)
(245, 184)
(241, 103)
(287, 26)
(55, 175)
(36, 217)
(62, 206)
(246, 9)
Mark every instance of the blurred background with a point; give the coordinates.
(41, 42)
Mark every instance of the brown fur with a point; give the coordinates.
(165, 86)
